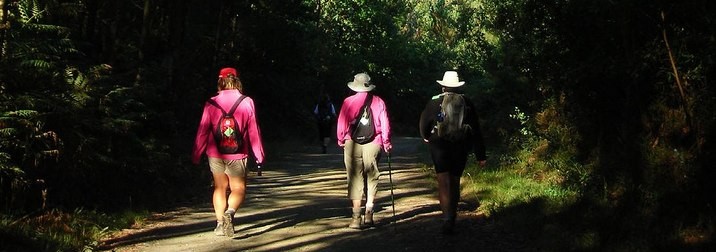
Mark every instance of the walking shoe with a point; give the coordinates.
(355, 222)
(368, 219)
(219, 230)
(228, 225)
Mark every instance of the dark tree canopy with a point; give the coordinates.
(613, 96)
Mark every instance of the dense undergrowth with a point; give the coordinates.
(599, 115)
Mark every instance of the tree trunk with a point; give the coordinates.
(177, 17)
(684, 101)
(90, 29)
(142, 41)
(217, 37)
(4, 26)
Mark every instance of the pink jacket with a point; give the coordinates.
(349, 111)
(245, 116)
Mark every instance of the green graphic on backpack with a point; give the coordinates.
(227, 136)
(450, 125)
(362, 129)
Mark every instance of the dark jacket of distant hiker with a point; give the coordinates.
(441, 149)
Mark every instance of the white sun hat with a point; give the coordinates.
(361, 83)
(450, 79)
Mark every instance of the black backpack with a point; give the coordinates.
(325, 112)
(450, 120)
(226, 134)
(362, 129)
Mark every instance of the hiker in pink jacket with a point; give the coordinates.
(229, 170)
(361, 160)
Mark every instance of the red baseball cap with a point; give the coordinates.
(226, 71)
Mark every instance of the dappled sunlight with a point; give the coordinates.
(300, 202)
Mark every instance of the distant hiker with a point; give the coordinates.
(449, 124)
(362, 151)
(228, 165)
(325, 114)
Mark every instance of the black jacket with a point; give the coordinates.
(428, 120)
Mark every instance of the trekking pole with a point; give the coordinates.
(390, 176)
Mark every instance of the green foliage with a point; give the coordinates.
(501, 189)
(56, 230)
(609, 116)
(576, 98)
(68, 123)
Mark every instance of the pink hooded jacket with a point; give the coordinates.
(349, 111)
(245, 116)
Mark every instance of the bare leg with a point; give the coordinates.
(221, 183)
(238, 192)
(356, 203)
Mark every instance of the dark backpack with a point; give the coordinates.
(325, 112)
(362, 129)
(450, 120)
(226, 134)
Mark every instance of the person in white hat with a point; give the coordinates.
(361, 160)
(449, 124)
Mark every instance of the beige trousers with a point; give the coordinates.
(362, 168)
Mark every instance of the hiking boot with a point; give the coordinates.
(219, 230)
(228, 225)
(355, 222)
(368, 219)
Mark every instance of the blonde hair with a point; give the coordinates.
(230, 82)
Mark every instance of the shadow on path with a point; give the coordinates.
(300, 204)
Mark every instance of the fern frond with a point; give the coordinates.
(36, 12)
(12, 172)
(8, 170)
(24, 9)
(68, 47)
(44, 29)
(119, 91)
(25, 113)
(36, 63)
(80, 98)
(8, 132)
(29, 11)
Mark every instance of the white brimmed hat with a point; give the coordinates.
(450, 79)
(361, 83)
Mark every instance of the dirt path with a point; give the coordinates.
(300, 205)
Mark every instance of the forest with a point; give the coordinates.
(100, 100)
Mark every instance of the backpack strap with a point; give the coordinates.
(236, 104)
(367, 102)
(213, 103)
(364, 107)
(233, 108)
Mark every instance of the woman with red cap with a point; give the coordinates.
(229, 168)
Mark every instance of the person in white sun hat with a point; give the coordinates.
(449, 124)
(361, 155)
